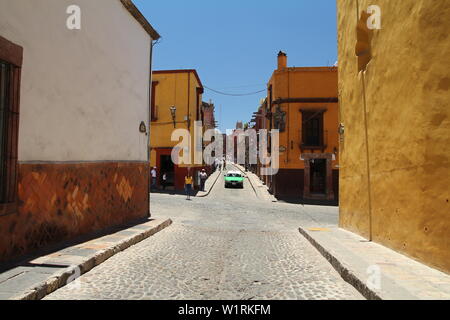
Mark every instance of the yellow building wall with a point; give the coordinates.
(305, 83)
(174, 89)
(406, 93)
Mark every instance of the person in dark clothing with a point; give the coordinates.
(164, 180)
(203, 177)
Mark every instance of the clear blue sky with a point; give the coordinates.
(233, 44)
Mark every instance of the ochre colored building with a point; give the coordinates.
(395, 142)
(176, 104)
(302, 103)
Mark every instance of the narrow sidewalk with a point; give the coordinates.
(209, 184)
(377, 271)
(33, 279)
(261, 190)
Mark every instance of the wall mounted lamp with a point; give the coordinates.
(173, 112)
(143, 128)
(341, 129)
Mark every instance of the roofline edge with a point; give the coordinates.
(134, 11)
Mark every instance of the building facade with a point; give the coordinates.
(260, 121)
(302, 103)
(395, 142)
(73, 158)
(176, 104)
(209, 121)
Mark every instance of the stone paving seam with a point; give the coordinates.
(59, 279)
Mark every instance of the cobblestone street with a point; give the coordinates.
(229, 245)
(223, 158)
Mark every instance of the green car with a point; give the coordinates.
(234, 179)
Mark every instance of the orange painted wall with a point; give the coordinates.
(314, 82)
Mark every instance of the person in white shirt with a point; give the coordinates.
(153, 174)
(217, 164)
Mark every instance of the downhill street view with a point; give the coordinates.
(229, 245)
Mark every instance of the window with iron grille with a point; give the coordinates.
(312, 128)
(10, 69)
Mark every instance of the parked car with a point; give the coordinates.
(234, 179)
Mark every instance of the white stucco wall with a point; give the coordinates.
(84, 92)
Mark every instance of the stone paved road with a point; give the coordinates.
(229, 245)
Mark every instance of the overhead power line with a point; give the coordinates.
(235, 94)
(244, 86)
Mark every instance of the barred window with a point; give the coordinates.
(312, 128)
(10, 69)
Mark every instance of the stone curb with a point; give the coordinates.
(212, 186)
(253, 187)
(343, 270)
(59, 280)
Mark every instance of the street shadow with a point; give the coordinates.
(24, 260)
(175, 192)
(234, 187)
(297, 200)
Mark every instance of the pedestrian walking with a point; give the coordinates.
(164, 180)
(153, 174)
(188, 181)
(203, 177)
